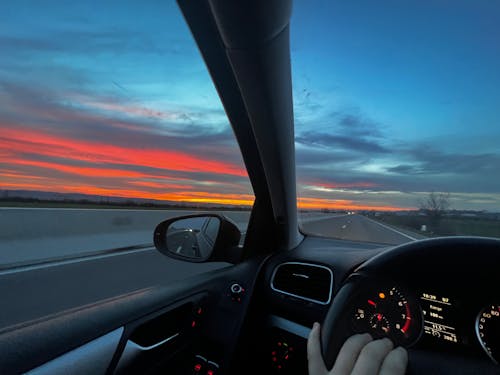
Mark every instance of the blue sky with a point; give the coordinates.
(392, 100)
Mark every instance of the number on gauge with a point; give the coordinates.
(387, 313)
(488, 331)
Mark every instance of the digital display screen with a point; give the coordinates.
(439, 317)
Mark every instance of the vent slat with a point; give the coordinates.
(307, 281)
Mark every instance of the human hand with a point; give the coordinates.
(360, 355)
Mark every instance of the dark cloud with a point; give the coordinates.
(357, 126)
(405, 169)
(314, 157)
(413, 169)
(345, 142)
(349, 148)
(429, 159)
(344, 131)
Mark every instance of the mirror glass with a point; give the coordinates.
(193, 237)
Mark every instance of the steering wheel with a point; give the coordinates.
(441, 256)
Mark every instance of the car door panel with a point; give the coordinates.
(29, 345)
(91, 358)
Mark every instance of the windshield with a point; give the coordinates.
(397, 118)
(109, 124)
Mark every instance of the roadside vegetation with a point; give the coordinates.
(125, 205)
(453, 224)
(435, 218)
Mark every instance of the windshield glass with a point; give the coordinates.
(397, 118)
(107, 114)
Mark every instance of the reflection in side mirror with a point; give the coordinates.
(199, 238)
(193, 237)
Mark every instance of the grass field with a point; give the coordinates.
(446, 226)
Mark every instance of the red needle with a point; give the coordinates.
(379, 317)
(372, 303)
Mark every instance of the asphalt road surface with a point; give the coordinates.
(30, 234)
(37, 290)
(358, 228)
(33, 292)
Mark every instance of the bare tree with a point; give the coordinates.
(435, 204)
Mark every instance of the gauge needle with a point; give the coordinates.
(372, 303)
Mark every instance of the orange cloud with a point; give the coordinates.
(16, 145)
(36, 142)
(84, 171)
(347, 205)
(158, 185)
(22, 148)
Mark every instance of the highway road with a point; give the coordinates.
(37, 290)
(29, 234)
(358, 228)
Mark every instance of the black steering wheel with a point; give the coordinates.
(442, 256)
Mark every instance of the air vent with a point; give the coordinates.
(309, 282)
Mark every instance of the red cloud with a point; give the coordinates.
(44, 144)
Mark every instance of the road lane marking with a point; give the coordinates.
(56, 263)
(307, 220)
(392, 229)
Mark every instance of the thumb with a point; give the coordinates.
(315, 362)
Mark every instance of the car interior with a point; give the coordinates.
(436, 297)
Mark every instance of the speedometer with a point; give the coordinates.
(488, 331)
(387, 312)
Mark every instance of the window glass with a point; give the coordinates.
(109, 124)
(397, 118)
(212, 229)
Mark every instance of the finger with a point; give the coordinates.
(371, 357)
(395, 363)
(349, 353)
(315, 362)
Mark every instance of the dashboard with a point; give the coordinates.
(440, 301)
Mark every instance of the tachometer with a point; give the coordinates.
(387, 312)
(488, 331)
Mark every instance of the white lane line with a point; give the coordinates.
(70, 261)
(304, 220)
(392, 229)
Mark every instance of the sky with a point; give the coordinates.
(392, 100)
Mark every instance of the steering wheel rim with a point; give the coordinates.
(335, 331)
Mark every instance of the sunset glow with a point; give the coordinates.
(321, 203)
(118, 103)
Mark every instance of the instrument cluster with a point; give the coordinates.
(411, 318)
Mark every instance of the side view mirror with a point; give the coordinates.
(198, 238)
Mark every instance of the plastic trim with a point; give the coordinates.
(289, 326)
(302, 297)
(92, 358)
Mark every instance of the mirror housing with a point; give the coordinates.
(199, 238)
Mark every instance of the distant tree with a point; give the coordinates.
(436, 204)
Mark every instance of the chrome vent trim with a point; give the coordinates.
(305, 277)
